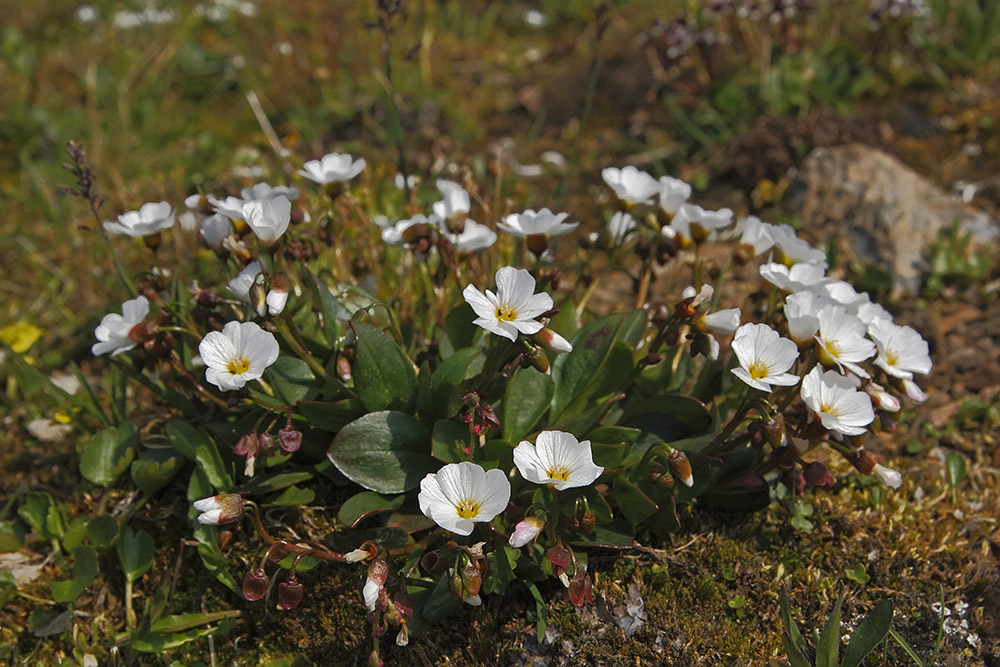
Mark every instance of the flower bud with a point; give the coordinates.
(334, 189)
(550, 340)
(277, 297)
(403, 603)
(887, 476)
(525, 531)
(266, 443)
(258, 299)
(289, 440)
(865, 461)
(207, 298)
(289, 594)
(913, 392)
(378, 571)
(537, 359)
(141, 332)
(152, 241)
(559, 557)
(818, 475)
(225, 538)
(587, 522)
(472, 581)
(221, 509)
(881, 399)
(775, 430)
(580, 588)
(255, 584)
(680, 466)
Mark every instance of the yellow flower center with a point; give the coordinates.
(238, 365)
(757, 370)
(558, 472)
(891, 357)
(828, 409)
(832, 349)
(467, 509)
(506, 313)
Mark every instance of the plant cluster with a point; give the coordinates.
(495, 430)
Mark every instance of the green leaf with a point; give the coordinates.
(384, 378)
(107, 454)
(956, 467)
(617, 535)
(135, 551)
(263, 484)
(291, 379)
(528, 396)
(75, 533)
(791, 629)
(11, 537)
(635, 505)
(441, 602)
(387, 452)
(792, 652)
(578, 374)
(102, 531)
(8, 587)
(293, 496)
(869, 634)
(35, 511)
(197, 445)
(208, 536)
(500, 573)
(84, 572)
(330, 416)
(333, 311)
(362, 505)
(450, 441)
(151, 473)
(666, 418)
(459, 327)
(443, 400)
(541, 611)
(858, 574)
(828, 647)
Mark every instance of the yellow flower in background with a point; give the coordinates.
(20, 336)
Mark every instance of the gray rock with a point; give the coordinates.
(879, 210)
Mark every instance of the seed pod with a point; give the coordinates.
(255, 584)
(289, 594)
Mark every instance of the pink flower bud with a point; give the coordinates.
(289, 594)
(887, 476)
(255, 584)
(550, 340)
(580, 588)
(289, 440)
(221, 509)
(525, 531)
(881, 399)
(680, 466)
(913, 392)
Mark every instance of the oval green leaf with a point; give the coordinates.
(384, 378)
(387, 452)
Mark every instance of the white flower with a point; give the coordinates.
(237, 354)
(764, 357)
(525, 531)
(757, 234)
(842, 340)
(112, 332)
(474, 237)
(456, 201)
(268, 218)
(871, 311)
(793, 250)
(462, 493)
(901, 350)
(370, 593)
(543, 222)
(408, 182)
(557, 458)
(887, 476)
(214, 230)
(241, 284)
(332, 168)
(276, 300)
(692, 222)
(631, 185)
(263, 191)
(720, 322)
(804, 276)
(833, 398)
(513, 308)
(844, 294)
(620, 225)
(802, 312)
(395, 234)
(673, 193)
(231, 207)
(150, 219)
